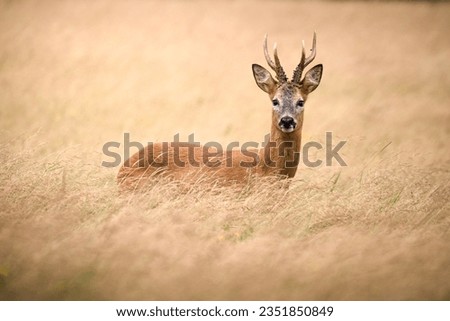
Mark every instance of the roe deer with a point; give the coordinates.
(279, 156)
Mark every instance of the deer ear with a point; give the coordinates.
(312, 79)
(263, 78)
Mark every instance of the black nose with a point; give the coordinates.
(287, 122)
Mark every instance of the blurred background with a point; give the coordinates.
(77, 74)
(86, 72)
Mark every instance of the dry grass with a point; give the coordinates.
(75, 75)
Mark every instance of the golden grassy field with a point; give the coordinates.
(77, 74)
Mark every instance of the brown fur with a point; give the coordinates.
(279, 158)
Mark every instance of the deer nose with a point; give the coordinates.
(287, 122)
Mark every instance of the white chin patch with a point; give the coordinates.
(287, 130)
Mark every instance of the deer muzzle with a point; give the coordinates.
(287, 124)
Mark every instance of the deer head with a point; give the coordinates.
(288, 97)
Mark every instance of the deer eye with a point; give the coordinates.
(275, 102)
(300, 103)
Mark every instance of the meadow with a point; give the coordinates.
(75, 75)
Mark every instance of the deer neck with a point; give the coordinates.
(282, 153)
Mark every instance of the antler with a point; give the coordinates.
(276, 66)
(296, 78)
